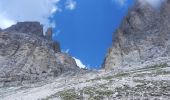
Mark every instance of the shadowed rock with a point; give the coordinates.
(27, 27)
(55, 44)
(49, 33)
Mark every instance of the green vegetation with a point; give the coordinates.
(154, 67)
(108, 78)
(97, 93)
(160, 66)
(89, 91)
(142, 87)
(98, 78)
(122, 74)
(97, 98)
(66, 95)
(70, 95)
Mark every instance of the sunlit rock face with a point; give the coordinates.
(143, 36)
(25, 55)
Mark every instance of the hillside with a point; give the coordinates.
(151, 82)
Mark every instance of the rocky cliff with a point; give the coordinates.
(142, 38)
(25, 54)
(27, 27)
(140, 45)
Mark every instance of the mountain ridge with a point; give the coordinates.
(142, 36)
(27, 55)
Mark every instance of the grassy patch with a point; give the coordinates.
(103, 86)
(97, 98)
(96, 79)
(70, 95)
(162, 72)
(98, 92)
(159, 66)
(153, 73)
(154, 67)
(66, 95)
(107, 78)
(122, 74)
(89, 91)
(104, 92)
(88, 80)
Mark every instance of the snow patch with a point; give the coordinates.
(79, 63)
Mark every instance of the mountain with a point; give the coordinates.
(142, 38)
(27, 55)
(137, 66)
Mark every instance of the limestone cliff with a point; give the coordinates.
(25, 54)
(143, 36)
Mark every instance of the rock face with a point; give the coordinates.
(143, 36)
(27, 27)
(55, 44)
(49, 33)
(25, 55)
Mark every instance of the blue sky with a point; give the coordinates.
(87, 30)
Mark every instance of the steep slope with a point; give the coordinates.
(150, 83)
(144, 36)
(25, 54)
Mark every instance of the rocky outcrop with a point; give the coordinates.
(143, 36)
(55, 44)
(49, 33)
(27, 56)
(27, 27)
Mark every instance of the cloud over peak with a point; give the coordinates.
(120, 2)
(12, 11)
(26, 10)
(70, 4)
(153, 3)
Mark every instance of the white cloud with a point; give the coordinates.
(153, 3)
(70, 4)
(55, 34)
(12, 11)
(120, 2)
(79, 63)
(67, 51)
(5, 22)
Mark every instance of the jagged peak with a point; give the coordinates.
(49, 33)
(153, 3)
(142, 36)
(27, 27)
